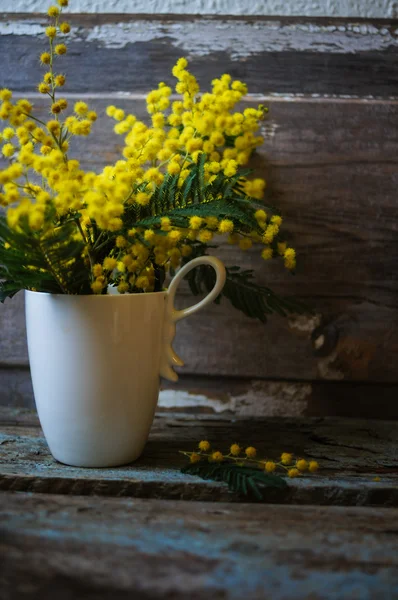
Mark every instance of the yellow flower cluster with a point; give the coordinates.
(181, 132)
(194, 125)
(127, 235)
(294, 467)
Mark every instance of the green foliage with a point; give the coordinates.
(218, 208)
(248, 481)
(46, 262)
(53, 262)
(168, 196)
(255, 301)
(222, 199)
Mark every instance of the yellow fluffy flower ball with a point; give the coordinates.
(204, 446)
(251, 452)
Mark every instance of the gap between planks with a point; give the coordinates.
(250, 98)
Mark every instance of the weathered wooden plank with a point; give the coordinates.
(362, 342)
(118, 548)
(16, 387)
(351, 452)
(245, 398)
(283, 55)
(332, 168)
(242, 397)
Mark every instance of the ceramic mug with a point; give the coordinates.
(96, 363)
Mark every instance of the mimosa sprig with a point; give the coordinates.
(242, 470)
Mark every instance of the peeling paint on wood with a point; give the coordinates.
(304, 324)
(230, 397)
(268, 127)
(261, 398)
(238, 38)
(273, 399)
(315, 56)
(182, 399)
(338, 8)
(351, 454)
(90, 548)
(327, 368)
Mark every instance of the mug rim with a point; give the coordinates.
(128, 295)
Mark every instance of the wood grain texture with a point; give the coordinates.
(351, 453)
(91, 548)
(233, 396)
(332, 169)
(286, 55)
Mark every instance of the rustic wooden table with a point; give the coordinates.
(148, 531)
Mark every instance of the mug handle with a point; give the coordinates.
(172, 315)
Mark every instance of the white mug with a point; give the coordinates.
(96, 363)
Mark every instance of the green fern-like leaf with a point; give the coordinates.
(46, 262)
(196, 194)
(219, 208)
(240, 479)
(255, 301)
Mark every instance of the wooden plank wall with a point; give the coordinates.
(330, 159)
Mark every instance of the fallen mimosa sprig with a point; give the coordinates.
(242, 470)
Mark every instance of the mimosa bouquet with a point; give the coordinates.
(179, 188)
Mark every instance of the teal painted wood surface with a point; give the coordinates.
(351, 453)
(177, 536)
(114, 549)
